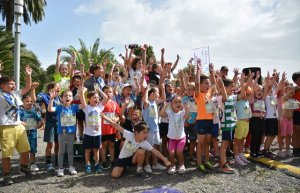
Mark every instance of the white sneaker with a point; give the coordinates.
(281, 154)
(288, 153)
(242, 157)
(72, 170)
(158, 166)
(172, 170)
(239, 161)
(147, 169)
(181, 169)
(60, 172)
(34, 168)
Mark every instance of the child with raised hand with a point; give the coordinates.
(177, 138)
(243, 116)
(286, 121)
(92, 131)
(112, 110)
(31, 120)
(13, 133)
(51, 120)
(257, 121)
(150, 115)
(66, 113)
(133, 151)
(296, 116)
(64, 73)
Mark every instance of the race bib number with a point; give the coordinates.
(31, 124)
(259, 106)
(68, 120)
(233, 115)
(152, 112)
(109, 115)
(216, 112)
(209, 107)
(130, 147)
(247, 111)
(291, 104)
(93, 120)
(96, 86)
(193, 107)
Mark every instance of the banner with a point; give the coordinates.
(203, 54)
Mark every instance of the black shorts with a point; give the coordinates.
(124, 162)
(90, 142)
(111, 138)
(271, 128)
(204, 127)
(80, 115)
(296, 118)
(163, 129)
(190, 132)
(227, 135)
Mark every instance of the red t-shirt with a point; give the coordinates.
(112, 110)
(297, 97)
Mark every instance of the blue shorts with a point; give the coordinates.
(215, 130)
(204, 127)
(227, 135)
(32, 139)
(190, 132)
(90, 142)
(50, 132)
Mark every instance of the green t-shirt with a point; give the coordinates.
(64, 82)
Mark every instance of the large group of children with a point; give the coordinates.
(151, 114)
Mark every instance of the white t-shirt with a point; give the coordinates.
(176, 124)
(93, 119)
(8, 115)
(271, 107)
(138, 75)
(130, 146)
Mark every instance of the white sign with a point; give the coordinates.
(203, 54)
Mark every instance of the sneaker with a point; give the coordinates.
(242, 157)
(288, 153)
(268, 154)
(106, 165)
(254, 155)
(172, 170)
(88, 169)
(202, 168)
(7, 181)
(281, 154)
(141, 174)
(226, 169)
(72, 170)
(239, 161)
(260, 154)
(208, 165)
(50, 168)
(98, 168)
(181, 169)
(147, 169)
(158, 166)
(34, 168)
(25, 170)
(60, 172)
(246, 150)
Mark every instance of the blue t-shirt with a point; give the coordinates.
(66, 118)
(30, 117)
(243, 109)
(150, 115)
(45, 98)
(192, 108)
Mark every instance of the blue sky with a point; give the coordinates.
(243, 33)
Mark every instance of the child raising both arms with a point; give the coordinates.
(177, 138)
(134, 149)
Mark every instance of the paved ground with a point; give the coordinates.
(252, 178)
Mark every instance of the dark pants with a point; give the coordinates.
(257, 127)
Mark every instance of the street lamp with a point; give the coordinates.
(18, 11)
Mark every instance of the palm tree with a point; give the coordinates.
(85, 54)
(27, 57)
(33, 10)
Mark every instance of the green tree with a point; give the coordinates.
(33, 10)
(85, 54)
(27, 57)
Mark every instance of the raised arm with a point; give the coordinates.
(73, 64)
(57, 65)
(53, 94)
(197, 81)
(145, 99)
(123, 109)
(162, 59)
(112, 123)
(32, 91)
(175, 64)
(82, 90)
(28, 71)
(162, 112)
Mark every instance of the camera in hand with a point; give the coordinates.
(132, 46)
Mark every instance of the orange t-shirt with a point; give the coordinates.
(202, 101)
(297, 97)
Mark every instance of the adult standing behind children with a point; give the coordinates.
(12, 132)
(96, 80)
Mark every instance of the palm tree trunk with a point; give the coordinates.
(8, 6)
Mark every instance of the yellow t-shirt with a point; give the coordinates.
(204, 106)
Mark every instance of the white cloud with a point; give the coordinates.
(239, 33)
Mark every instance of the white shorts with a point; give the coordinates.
(153, 138)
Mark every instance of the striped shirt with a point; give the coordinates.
(229, 116)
